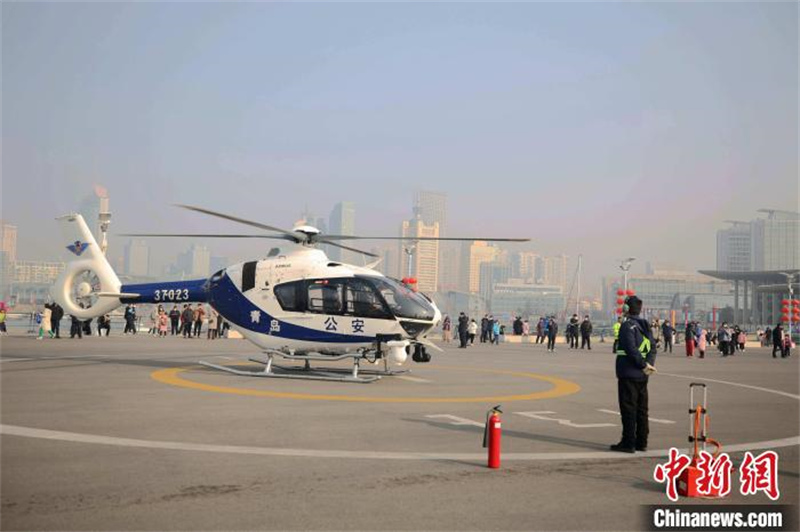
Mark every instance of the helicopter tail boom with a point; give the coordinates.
(86, 275)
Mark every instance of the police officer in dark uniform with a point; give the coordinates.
(636, 356)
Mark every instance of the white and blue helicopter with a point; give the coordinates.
(295, 303)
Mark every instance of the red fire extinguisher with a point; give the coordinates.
(491, 436)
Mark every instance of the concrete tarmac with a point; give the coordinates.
(129, 433)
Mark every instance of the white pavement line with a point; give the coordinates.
(759, 388)
(14, 359)
(565, 422)
(455, 420)
(28, 432)
(412, 379)
(652, 419)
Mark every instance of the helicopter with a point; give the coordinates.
(294, 303)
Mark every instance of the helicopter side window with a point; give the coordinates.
(290, 296)
(362, 301)
(249, 275)
(326, 297)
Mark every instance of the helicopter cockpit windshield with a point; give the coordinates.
(403, 302)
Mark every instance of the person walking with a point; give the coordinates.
(741, 339)
(689, 334)
(777, 340)
(55, 319)
(586, 333)
(3, 315)
(163, 323)
(702, 341)
(463, 324)
(199, 315)
(447, 329)
(174, 319)
(668, 333)
(635, 362)
(552, 331)
(45, 321)
(211, 331)
(154, 314)
(497, 331)
(540, 330)
(472, 330)
(187, 317)
(484, 329)
(526, 329)
(723, 339)
(76, 328)
(490, 323)
(787, 345)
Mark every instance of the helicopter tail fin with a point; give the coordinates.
(88, 287)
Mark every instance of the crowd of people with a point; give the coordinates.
(190, 322)
(728, 339)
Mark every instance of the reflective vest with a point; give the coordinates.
(644, 348)
(616, 330)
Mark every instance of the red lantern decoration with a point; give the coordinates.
(630, 292)
(796, 302)
(784, 302)
(619, 311)
(784, 318)
(620, 301)
(784, 310)
(620, 292)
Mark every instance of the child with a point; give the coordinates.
(742, 339)
(702, 342)
(787, 346)
(163, 319)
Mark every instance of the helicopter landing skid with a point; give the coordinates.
(306, 372)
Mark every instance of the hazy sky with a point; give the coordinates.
(611, 129)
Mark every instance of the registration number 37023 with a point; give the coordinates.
(178, 294)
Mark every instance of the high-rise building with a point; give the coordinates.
(764, 244)
(137, 258)
(776, 241)
(734, 248)
(493, 273)
(91, 206)
(431, 208)
(343, 222)
(555, 271)
(8, 241)
(195, 262)
(425, 254)
(473, 254)
(523, 265)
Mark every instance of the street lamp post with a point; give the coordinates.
(625, 266)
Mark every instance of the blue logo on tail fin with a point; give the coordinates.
(78, 247)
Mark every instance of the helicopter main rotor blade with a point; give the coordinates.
(456, 239)
(197, 235)
(367, 253)
(297, 237)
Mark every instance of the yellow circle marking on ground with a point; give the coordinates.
(560, 388)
